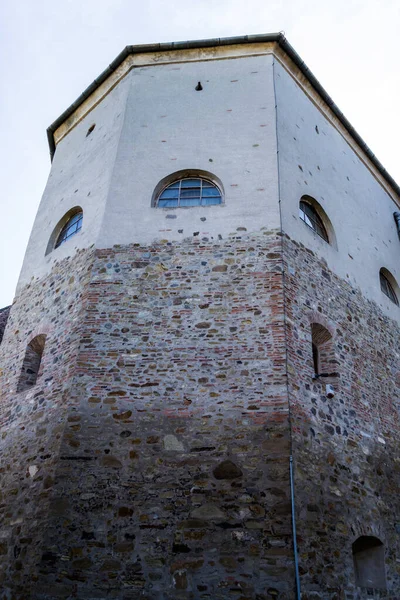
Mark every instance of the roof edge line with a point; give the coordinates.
(291, 52)
(142, 49)
(279, 38)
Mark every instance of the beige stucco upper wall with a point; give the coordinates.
(152, 124)
(80, 176)
(157, 58)
(226, 130)
(316, 161)
(219, 53)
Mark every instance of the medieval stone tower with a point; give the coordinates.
(203, 350)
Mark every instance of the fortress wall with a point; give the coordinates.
(346, 448)
(226, 130)
(318, 159)
(181, 369)
(80, 176)
(151, 458)
(4, 312)
(32, 421)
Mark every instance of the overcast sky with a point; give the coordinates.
(52, 50)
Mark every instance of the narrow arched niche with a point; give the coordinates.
(323, 350)
(369, 562)
(31, 363)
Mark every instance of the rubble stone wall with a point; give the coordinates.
(151, 458)
(32, 422)
(4, 312)
(173, 474)
(345, 448)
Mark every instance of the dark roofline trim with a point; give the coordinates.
(279, 38)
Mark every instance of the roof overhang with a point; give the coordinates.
(168, 47)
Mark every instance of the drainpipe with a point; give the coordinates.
(296, 557)
(396, 216)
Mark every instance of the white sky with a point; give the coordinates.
(52, 50)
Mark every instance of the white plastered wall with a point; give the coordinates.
(316, 160)
(227, 129)
(80, 176)
(154, 123)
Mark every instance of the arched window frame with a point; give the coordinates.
(32, 363)
(54, 241)
(187, 174)
(317, 220)
(389, 286)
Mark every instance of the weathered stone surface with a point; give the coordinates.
(345, 477)
(172, 443)
(208, 512)
(4, 312)
(134, 487)
(227, 470)
(134, 423)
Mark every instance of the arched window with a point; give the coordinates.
(311, 213)
(323, 351)
(388, 285)
(68, 226)
(31, 363)
(189, 191)
(369, 562)
(71, 227)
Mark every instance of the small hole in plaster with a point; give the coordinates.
(89, 131)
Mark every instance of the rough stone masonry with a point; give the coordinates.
(157, 370)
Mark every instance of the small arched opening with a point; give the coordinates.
(389, 285)
(369, 562)
(314, 216)
(31, 363)
(67, 227)
(188, 188)
(323, 352)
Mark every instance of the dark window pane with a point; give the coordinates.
(170, 193)
(167, 202)
(189, 192)
(309, 215)
(70, 228)
(315, 358)
(387, 288)
(210, 192)
(190, 201)
(211, 200)
(191, 183)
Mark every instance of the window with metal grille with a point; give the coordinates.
(189, 192)
(387, 288)
(309, 215)
(71, 227)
